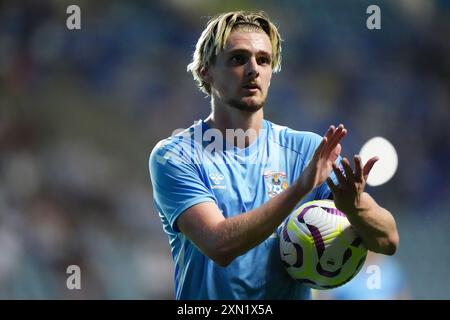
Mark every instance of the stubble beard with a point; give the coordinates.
(243, 106)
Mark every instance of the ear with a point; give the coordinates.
(205, 75)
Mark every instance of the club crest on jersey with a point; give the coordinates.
(275, 183)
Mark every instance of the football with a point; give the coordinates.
(319, 247)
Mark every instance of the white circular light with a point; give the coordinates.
(384, 169)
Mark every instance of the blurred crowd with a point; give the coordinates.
(81, 110)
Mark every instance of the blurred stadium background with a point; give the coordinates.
(81, 110)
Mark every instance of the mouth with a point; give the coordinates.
(251, 87)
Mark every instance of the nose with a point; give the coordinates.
(251, 70)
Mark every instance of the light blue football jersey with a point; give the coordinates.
(190, 168)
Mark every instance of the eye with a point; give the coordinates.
(264, 60)
(238, 59)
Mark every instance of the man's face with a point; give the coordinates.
(240, 76)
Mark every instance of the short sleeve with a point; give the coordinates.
(177, 185)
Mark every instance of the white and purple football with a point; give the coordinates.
(319, 246)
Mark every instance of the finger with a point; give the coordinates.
(339, 175)
(336, 152)
(334, 148)
(348, 170)
(330, 132)
(332, 186)
(338, 135)
(358, 168)
(321, 146)
(368, 166)
(325, 139)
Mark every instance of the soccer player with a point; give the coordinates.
(225, 185)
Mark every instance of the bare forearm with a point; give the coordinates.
(240, 233)
(223, 239)
(375, 225)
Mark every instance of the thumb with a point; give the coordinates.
(369, 165)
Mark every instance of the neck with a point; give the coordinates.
(225, 117)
